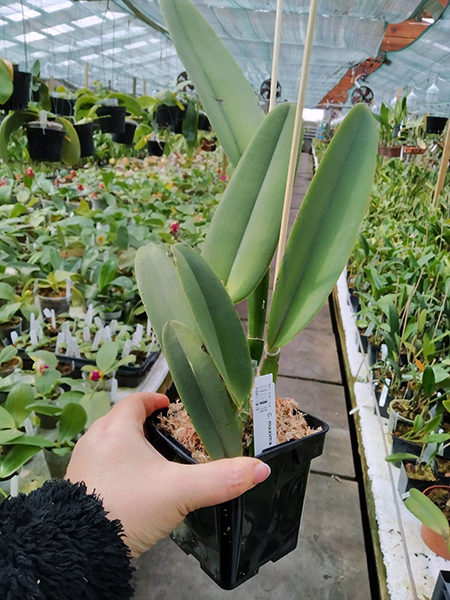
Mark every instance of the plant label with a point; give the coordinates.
(384, 351)
(264, 413)
(384, 393)
(89, 315)
(14, 337)
(86, 335)
(370, 329)
(33, 338)
(98, 322)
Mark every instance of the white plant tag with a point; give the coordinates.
(126, 348)
(113, 326)
(264, 414)
(47, 313)
(14, 486)
(33, 338)
(369, 330)
(107, 334)
(149, 328)
(98, 322)
(29, 429)
(14, 337)
(53, 318)
(89, 315)
(86, 335)
(60, 339)
(114, 388)
(68, 288)
(384, 351)
(384, 393)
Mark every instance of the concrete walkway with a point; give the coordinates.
(329, 562)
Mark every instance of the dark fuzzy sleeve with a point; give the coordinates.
(57, 544)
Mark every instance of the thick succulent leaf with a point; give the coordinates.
(230, 102)
(71, 146)
(9, 124)
(326, 227)
(202, 392)
(219, 324)
(161, 290)
(247, 221)
(427, 512)
(15, 459)
(6, 82)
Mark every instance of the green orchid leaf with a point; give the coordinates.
(96, 405)
(428, 381)
(9, 124)
(18, 399)
(6, 83)
(15, 459)
(106, 356)
(71, 146)
(34, 440)
(218, 322)
(202, 392)
(6, 419)
(401, 456)
(249, 215)
(427, 512)
(45, 408)
(326, 227)
(71, 422)
(7, 354)
(9, 435)
(161, 290)
(230, 102)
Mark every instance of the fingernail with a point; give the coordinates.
(262, 472)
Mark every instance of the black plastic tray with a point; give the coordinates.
(233, 540)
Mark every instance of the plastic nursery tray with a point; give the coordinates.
(233, 540)
(126, 375)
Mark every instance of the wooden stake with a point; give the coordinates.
(144, 87)
(134, 86)
(51, 84)
(86, 75)
(276, 55)
(443, 167)
(292, 171)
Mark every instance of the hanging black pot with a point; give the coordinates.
(45, 143)
(111, 118)
(203, 122)
(170, 117)
(442, 589)
(155, 148)
(435, 124)
(85, 135)
(21, 93)
(233, 540)
(127, 136)
(65, 107)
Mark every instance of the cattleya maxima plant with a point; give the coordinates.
(190, 299)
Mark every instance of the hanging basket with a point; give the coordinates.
(435, 124)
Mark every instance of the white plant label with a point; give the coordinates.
(14, 337)
(86, 335)
(98, 322)
(47, 313)
(384, 393)
(384, 351)
(68, 288)
(89, 315)
(369, 330)
(264, 414)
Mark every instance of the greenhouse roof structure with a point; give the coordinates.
(126, 39)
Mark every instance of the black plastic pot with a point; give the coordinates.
(373, 354)
(85, 135)
(111, 118)
(47, 421)
(403, 446)
(364, 342)
(65, 107)
(203, 122)
(155, 148)
(354, 302)
(45, 144)
(6, 329)
(443, 480)
(406, 483)
(435, 124)
(442, 589)
(21, 93)
(233, 540)
(127, 136)
(170, 117)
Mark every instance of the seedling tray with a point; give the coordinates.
(233, 540)
(126, 375)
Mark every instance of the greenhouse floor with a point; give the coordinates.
(330, 560)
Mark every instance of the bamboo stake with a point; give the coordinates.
(296, 136)
(276, 55)
(86, 75)
(51, 84)
(145, 87)
(134, 86)
(443, 167)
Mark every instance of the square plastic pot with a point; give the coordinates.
(406, 483)
(435, 124)
(127, 136)
(155, 148)
(442, 589)
(65, 107)
(21, 93)
(231, 541)
(400, 446)
(111, 118)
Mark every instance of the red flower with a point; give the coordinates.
(2, 182)
(174, 228)
(80, 187)
(29, 172)
(101, 185)
(223, 177)
(72, 174)
(56, 181)
(94, 376)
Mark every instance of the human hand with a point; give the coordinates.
(138, 486)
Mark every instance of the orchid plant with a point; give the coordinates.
(190, 302)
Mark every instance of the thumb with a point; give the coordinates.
(216, 482)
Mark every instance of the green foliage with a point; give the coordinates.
(17, 402)
(428, 513)
(71, 422)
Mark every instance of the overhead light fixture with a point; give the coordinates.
(32, 36)
(135, 45)
(87, 21)
(17, 12)
(432, 94)
(58, 29)
(411, 100)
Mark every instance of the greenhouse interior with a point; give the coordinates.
(224, 304)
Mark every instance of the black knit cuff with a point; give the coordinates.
(56, 543)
